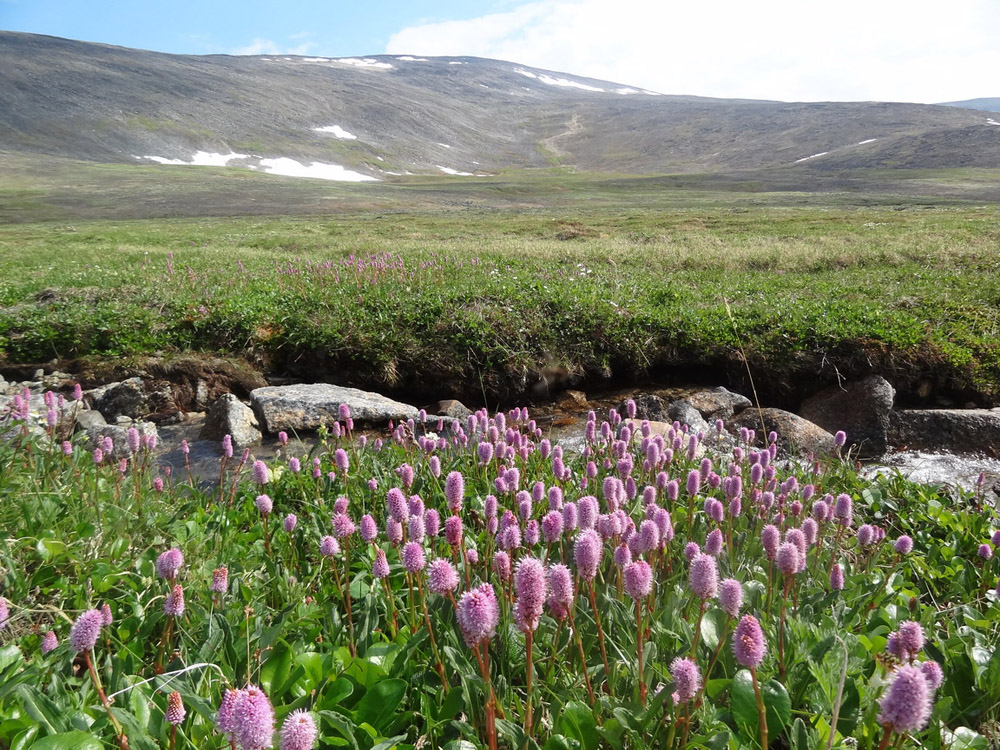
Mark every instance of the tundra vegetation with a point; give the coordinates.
(471, 584)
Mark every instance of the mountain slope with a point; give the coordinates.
(986, 104)
(388, 115)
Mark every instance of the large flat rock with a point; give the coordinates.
(957, 430)
(308, 407)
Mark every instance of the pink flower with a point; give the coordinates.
(501, 565)
(770, 538)
(749, 646)
(264, 505)
(441, 576)
(713, 544)
(453, 530)
(904, 545)
(638, 580)
(906, 703)
(396, 505)
(380, 568)
(254, 719)
(226, 717)
(478, 614)
(290, 522)
(220, 580)
(704, 577)
(687, 678)
(560, 590)
(329, 546)
(173, 604)
(454, 491)
(587, 553)
(369, 531)
(169, 563)
(530, 587)
(175, 712)
(413, 557)
(49, 642)
(261, 474)
(731, 597)
(298, 732)
(787, 559)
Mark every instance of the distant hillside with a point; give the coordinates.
(379, 117)
(987, 104)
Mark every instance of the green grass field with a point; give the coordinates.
(485, 288)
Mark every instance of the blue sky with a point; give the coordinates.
(791, 50)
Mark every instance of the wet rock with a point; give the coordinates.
(127, 398)
(450, 408)
(119, 437)
(860, 408)
(308, 407)
(647, 406)
(795, 434)
(87, 418)
(683, 411)
(956, 430)
(230, 416)
(718, 403)
(571, 399)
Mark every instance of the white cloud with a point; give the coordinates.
(796, 50)
(268, 47)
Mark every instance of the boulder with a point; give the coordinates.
(119, 437)
(450, 408)
(795, 434)
(308, 407)
(230, 416)
(860, 408)
(87, 418)
(956, 430)
(647, 406)
(718, 403)
(127, 398)
(684, 412)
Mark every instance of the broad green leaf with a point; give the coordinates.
(10, 655)
(68, 741)
(577, 721)
(40, 708)
(743, 702)
(343, 725)
(275, 670)
(779, 706)
(379, 704)
(964, 738)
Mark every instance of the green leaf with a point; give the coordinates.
(779, 707)
(342, 724)
(378, 705)
(743, 702)
(964, 738)
(799, 738)
(68, 741)
(451, 707)
(558, 742)
(40, 708)
(10, 655)
(577, 722)
(276, 669)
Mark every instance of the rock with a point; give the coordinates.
(119, 437)
(861, 409)
(308, 407)
(450, 408)
(718, 403)
(957, 430)
(647, 406)
(87, 418)
(684, 412)
(795, 434)
(126, 398)
(230, 416)
(571, 398)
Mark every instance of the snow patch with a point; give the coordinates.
(551, 81)
(991, 121)
(200, 159)
(407, 58)
(814, 156)
(870, 140)
(291, 168)
(449, 170)
(455, 62)
(317, 59)
(445, 145)
(337, 132)
(364, 62)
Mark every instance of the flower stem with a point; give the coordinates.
(761, 711)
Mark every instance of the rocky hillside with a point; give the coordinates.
(377, 117)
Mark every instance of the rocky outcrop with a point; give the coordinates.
(718, 403)
(860, 408)
(647, 406)
(451, 409)
(684, 412)
(309, 407)
(127, 398)
(230, 416)
(956, 430)
(795, 434)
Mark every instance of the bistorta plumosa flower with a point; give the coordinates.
(932, 671)
(911, 639)
(441, 576)
(261, 474)
(290, 522)
(175, 712)
(530, 586)
(906, 704)
(4, 612)
(713, 543)
(731, 596)
(837, 577)
(454, 491)
(106, 617)
(413, 557)
(264, 504)
(560, 590)
(787, 559)
(83, 635)
(704, 577)
(254, 719)
(453, 530)
(169, 563)
(49, 642)
(220, 580)
(985, 552)
(298, 732)
(173, 604)
(904, 545)
(225, 719)
(380, 568)
(687, 678)
(749, 646)
(587, 553)
(329, 546)
(638, 579)
(478, 614)
(501, 565)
